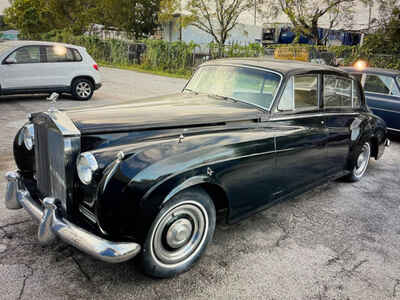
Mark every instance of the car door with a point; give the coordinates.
(301, 137)
(342, 102)
(23, 69)
(60, 64)
(383, 98)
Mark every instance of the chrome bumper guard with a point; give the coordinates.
(53, 225)
(387, 143)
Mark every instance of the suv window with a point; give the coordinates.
(381, 84)
(60, 53)
(338, 91)
(301, 92)
(26, 55)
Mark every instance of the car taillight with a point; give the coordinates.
(96, 67)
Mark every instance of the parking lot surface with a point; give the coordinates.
(338, 241)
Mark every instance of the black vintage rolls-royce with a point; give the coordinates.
(147, 178)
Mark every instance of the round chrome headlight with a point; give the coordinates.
(86, 165)
(29, 136)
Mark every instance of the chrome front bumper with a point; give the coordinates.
(53, 225)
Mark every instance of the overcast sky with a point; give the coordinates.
(3, 4)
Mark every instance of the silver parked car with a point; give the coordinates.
(28, 67)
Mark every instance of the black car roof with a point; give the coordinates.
(379, 71)
(284, 67)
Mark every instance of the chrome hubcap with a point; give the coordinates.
(180, 233)
(362, 160)
(83, 89)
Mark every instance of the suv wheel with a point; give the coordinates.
(82, 89)
(179, 234)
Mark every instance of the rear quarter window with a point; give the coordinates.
(341, 92)
(60, 53)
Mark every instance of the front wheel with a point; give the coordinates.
(179, 234)
(82, 89)
(361, 163)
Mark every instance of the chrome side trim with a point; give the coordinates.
(387, 110)
(397, 130)
(383, 99)
(53, 225)
(88, 214)
(291, 117)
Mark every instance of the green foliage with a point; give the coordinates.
(236, 50)
(35, 17)
(28, 17)
(138, 18)
(176, 57)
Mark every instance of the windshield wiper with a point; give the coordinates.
(222, 97)
(231, 99)
(189, 90)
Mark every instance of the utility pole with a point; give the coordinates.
(255, 12)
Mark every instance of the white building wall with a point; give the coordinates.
(241, 34)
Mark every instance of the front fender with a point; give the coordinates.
(155, 173)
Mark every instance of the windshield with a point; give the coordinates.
(243, 84)
(398, 80)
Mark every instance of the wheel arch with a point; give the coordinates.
(217, 194)
(83, 77)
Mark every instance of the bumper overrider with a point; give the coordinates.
(53, 225)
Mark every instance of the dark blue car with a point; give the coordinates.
(382, 92)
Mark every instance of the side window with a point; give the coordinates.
(381, 84)
(338, 91)
(26, 55)
(77, 55)
(301, 92)
(59, 54)
(287, 99)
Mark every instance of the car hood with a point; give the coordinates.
(173, 111)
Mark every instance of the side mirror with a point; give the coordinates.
(10, 61)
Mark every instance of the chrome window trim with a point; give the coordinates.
(387, 95)
(383, 99)
(397, 130)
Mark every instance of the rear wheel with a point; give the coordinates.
(361, 163)
(179, 235)
(82, 89)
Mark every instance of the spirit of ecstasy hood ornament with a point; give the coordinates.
(53, 99)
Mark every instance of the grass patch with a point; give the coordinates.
(139, 68)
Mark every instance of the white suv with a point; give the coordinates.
(28, 67)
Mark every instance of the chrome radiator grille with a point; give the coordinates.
(50, 164)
